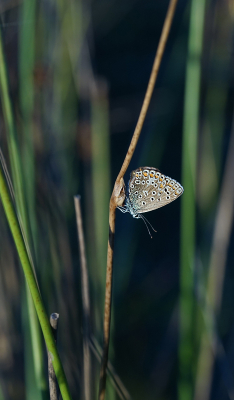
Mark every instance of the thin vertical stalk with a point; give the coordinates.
(11, 134)
(101, 187)
(118, 194)
(188, 227)
(221, 240)
(117, 384)
(16, 168)
(85, 302)
(54, 319)
(26, 94)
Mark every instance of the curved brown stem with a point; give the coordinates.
(150, 87)
(118, 194)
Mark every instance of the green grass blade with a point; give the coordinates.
(101, 185)
(101, 196)
(20, 203)
(11, 135)
(32, 284)
(26, 93)
(188, 226)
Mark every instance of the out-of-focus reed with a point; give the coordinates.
(188, 201)
(58, 138)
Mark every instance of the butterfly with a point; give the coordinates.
(148, 190)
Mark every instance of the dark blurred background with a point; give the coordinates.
(77, 73)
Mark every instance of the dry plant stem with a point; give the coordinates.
(222, 232)
(85, 302)
(150, 88)
(115, 380)
(118, 195)
(219, 252)
(52, 377)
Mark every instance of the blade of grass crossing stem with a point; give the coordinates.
(32, 284)
(26, 67)
(189, 155)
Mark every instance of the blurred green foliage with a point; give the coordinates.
(77, 74)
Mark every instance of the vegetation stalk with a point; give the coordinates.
(118, 194)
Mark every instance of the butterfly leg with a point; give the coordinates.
(123, 209)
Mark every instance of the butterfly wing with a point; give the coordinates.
(149, 189)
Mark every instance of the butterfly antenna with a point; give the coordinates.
(149, 223)
(143, 219)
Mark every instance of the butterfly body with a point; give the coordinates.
(148, 190)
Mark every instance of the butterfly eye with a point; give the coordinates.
(152, 173)
(152, 198)
(155, 185)
(168, 197)
(143, 182)
(137, 182)
(132, 186)
(148, 182)
(140, 196)
(158, 174)
(153, 193)
(143, 203)
(136, 192)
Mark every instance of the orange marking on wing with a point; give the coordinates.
(145, 173)
(151, 175)
(161, 186)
